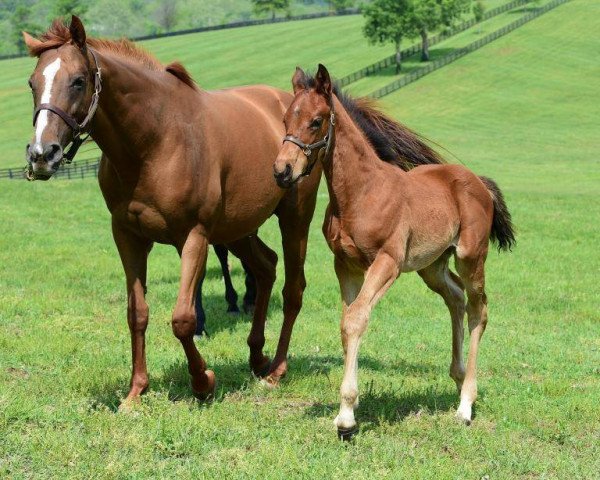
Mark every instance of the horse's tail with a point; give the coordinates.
(503, 231)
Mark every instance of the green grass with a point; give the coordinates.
(522, 110)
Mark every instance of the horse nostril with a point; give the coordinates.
(51, 151)
(288, 171)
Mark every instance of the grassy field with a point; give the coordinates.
(522, 110)
(261, 54)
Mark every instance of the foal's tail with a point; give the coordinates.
(503, 231)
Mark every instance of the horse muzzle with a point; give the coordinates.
(43, 160)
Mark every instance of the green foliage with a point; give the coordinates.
(262, 7)
(21, 22)
(65, 8)
(452, 10)
(340, 5)
(388, 21)
(478, 10)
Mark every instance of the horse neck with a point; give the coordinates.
(353, 165)
(129, 123)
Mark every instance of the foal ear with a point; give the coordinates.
(299, 80)
(32, 44)
(323, 81)
(77, 32)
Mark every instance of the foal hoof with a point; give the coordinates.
(347, 434)
(248, 308)
(207, 391)
(271, 382)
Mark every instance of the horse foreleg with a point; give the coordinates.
(193, 263)
(134, 256)
(355, 317)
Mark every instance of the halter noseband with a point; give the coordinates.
(308, 149)
(78, 129)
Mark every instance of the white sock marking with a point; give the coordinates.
(42, 120)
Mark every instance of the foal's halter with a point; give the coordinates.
(79, 129)
(308, 149)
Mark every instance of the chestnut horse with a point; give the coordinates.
(382, 221)
(180, 166)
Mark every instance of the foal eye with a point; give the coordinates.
(316, 123)
(78, 83)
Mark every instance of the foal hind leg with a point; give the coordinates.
(470, 267)
(442, 281)
(261, 261)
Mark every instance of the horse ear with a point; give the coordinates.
(32, 44)
(299, 80)
(323, 81)
(77, 32)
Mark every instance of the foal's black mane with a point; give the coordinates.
(393, 142)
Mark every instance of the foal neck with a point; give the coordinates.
(353, 166)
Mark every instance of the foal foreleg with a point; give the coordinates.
(378, 279)
(231, 296)
(193, 263)
(134, 256)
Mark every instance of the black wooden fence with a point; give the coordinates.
(416, 48)
(445, 60)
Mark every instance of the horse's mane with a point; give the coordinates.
(393, 142)
(58, 34)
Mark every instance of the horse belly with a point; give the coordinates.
(423, 251)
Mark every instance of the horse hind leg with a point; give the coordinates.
(470, 266)
(231, 296)
(440, 279)
(262, 262)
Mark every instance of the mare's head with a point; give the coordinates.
(62, 84)
(309, 125)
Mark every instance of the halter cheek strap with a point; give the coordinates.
(78, 128)
(308, 149)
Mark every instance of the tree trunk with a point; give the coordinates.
(424, 46)
(398, 58)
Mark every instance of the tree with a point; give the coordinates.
(452, 10)
(388, 21)
(21, 22)
(265, 6)
(478, 10)
(65, 8)
(425, 16)
(340, 5)
(166, 14)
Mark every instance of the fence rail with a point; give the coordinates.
(225, 26)
(78, 169)
(433, 40)
(445, 60)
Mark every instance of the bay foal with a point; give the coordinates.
(382, 221)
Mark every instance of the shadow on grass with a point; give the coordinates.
(391, 406)
(235, 376)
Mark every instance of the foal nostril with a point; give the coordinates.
(285, 175)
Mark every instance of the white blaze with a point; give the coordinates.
(42, 119)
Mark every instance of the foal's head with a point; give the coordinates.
(308, 125)
(62, 85)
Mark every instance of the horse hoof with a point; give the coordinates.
(263, 369)
(248, 309)
(208, 392)
(347, 434)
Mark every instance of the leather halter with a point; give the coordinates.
(78, 129)
(308, 149)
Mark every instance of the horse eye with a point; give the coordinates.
(30, 83)
(78, 83)
(316, 123)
